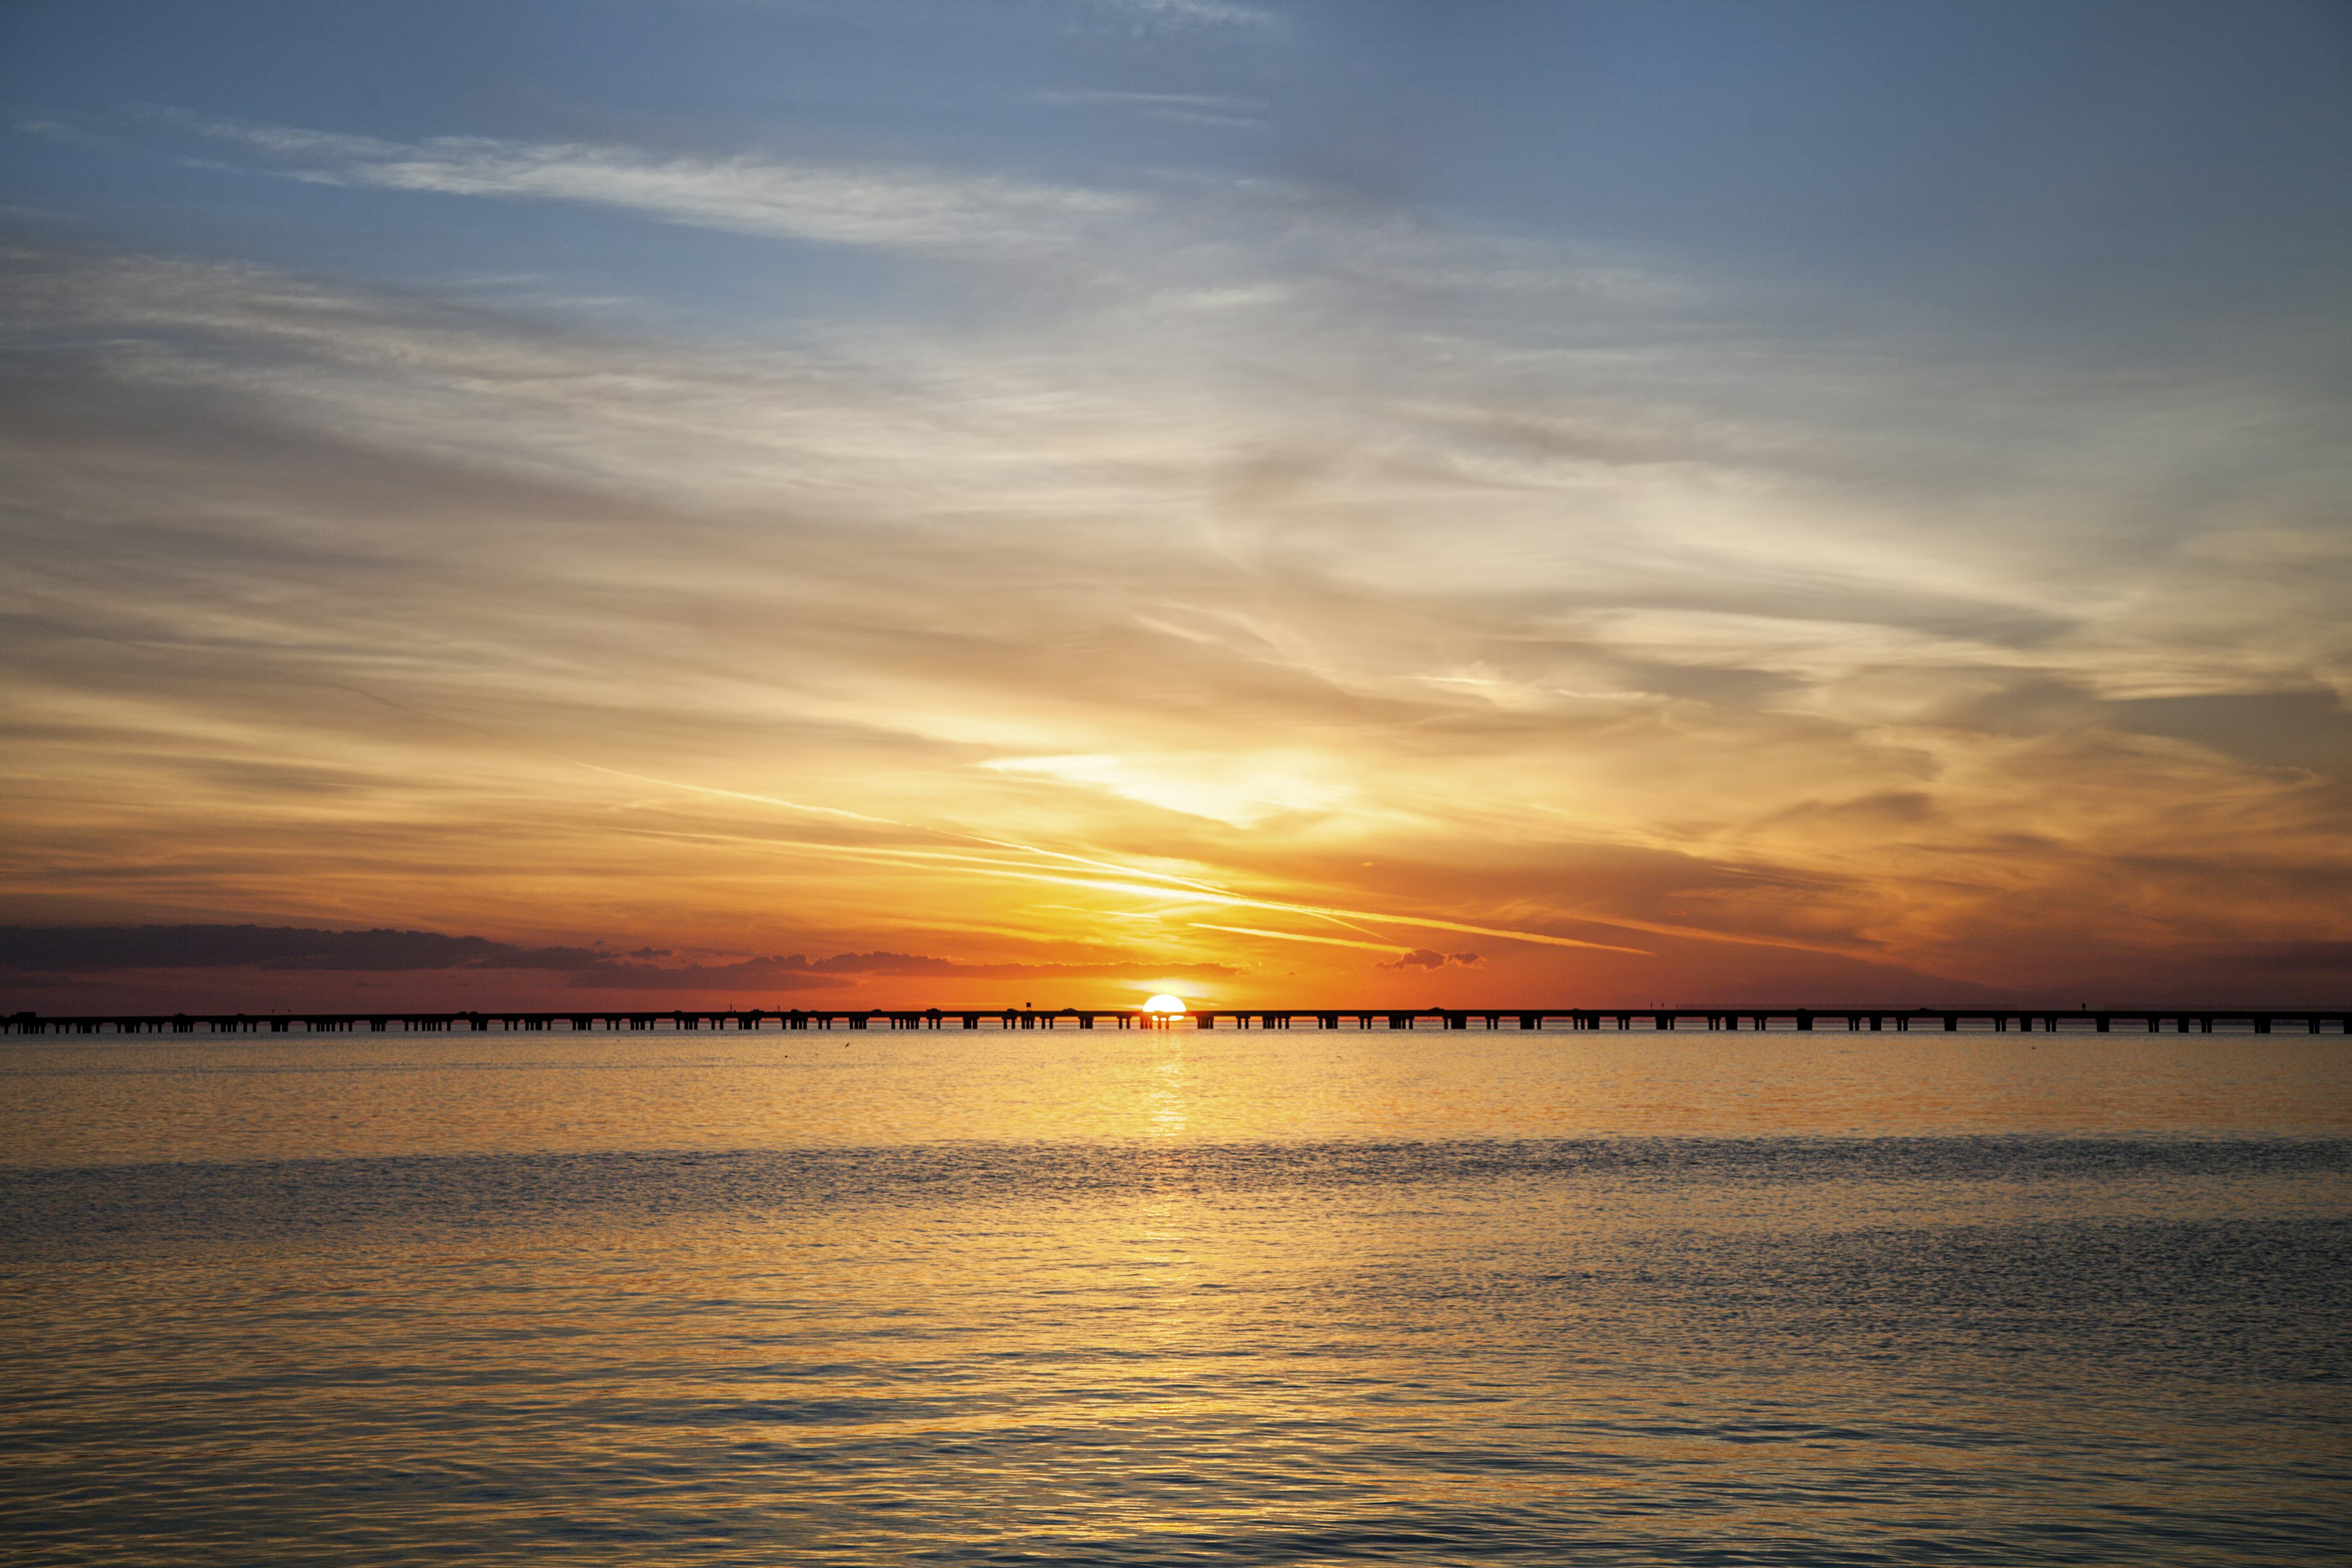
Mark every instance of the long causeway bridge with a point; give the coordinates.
(2100, 1020)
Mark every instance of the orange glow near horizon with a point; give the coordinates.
(1613, 859)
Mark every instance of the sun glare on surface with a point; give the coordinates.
(1164, 1004)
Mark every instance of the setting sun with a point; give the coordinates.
(1164, 1004)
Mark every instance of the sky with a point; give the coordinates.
(912, 503)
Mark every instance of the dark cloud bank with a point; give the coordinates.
(1429, 958)
(86, 950)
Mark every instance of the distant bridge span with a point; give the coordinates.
(2099, 1020)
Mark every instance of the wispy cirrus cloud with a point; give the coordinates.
(897, 208)
(1184, 108)
(1191, 14)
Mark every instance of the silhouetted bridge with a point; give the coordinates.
(2103, 1020)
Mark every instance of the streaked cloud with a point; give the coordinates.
(1243, 791)
(791, 612)
(879, 206)
(1114, 568)
(1191, 14)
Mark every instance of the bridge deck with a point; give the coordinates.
(2103, 1020)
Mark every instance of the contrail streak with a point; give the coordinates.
(1295, 936)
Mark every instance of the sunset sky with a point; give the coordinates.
(780, 501)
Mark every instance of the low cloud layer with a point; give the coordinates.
(64, 950)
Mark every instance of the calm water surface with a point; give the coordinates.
(1166, 1297)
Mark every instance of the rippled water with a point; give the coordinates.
(1166, 1299)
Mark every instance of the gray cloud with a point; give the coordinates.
(1187, 14)
(2330, 958)
(888, 209)
(1429, 958)
(72, 949)
(91, 950)
(765, 974)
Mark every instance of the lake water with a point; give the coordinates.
(1171, 1298)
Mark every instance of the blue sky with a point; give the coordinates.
(1837, 485)
(2084, 169)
